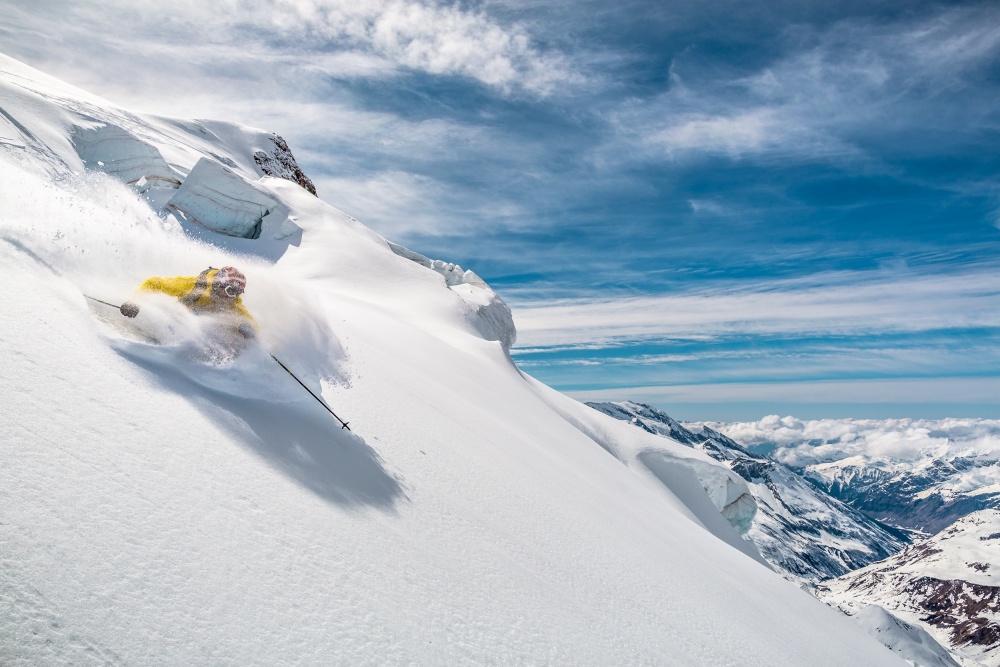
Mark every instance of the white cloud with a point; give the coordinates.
(738, 360)
(709, 207)
(430, 36)
(396, 204)
(736, 134)
(847, 303)
(344, 38)
(856, 76)
(954, 41)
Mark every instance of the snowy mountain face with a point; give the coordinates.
(911, 642)
(948, 584)
(804, 533)
(919, 475)
(924, 495)
(163, 503)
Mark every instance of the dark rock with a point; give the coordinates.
(281, 164)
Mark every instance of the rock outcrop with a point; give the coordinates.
(280, 163)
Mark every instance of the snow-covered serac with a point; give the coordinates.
(491, 315)
(156, 508)
(948, 584)
(801, 531)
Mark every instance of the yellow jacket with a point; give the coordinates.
(195, 292)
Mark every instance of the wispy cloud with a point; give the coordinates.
(399, 204)
(844, 303)
(821, 99)
(950, 395)
(743, 132)
(864, 339)
(770, 359)
(429, 36)
(337, 37)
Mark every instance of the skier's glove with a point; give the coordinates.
(246, 331)
(129, 309)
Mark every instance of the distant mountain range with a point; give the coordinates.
(803, 532)
(926, 495)
(919, 475)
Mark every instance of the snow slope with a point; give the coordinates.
(911, 642)
(948, 584)
(804, 533)
(149, 515)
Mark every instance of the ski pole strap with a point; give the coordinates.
(343, 424)
(104, 302)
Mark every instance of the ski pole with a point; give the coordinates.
(104, 302)
(318, 399)
(343, 424)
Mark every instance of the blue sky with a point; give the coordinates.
(724, 209)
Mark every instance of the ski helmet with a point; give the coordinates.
(230, 281)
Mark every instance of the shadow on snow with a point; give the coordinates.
(300, 439)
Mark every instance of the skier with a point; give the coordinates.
(213, 292)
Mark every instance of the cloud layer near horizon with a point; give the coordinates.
(800, 443)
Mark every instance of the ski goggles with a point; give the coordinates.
(231, 281)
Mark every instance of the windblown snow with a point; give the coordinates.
(160, 504)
